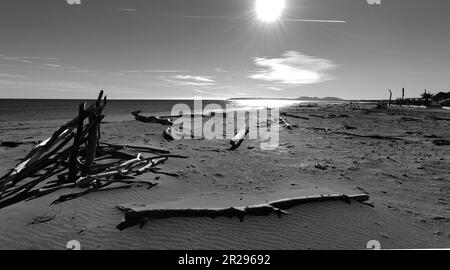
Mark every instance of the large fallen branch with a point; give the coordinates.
(138, 214)
(134, 215)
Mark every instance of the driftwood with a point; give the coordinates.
(42, 219)
(409, 119)
(285, 123)
(170, 133)
(441, 142)
(237, 140)
(167, 134)
(53, 156)
(295, 116)
(378, 137)
(151, 119)
(136, 214)
(441, 118)
(86, 164)
(193, 115)
(375, 136)
(12, 144)
(136, 148)
(100, 182)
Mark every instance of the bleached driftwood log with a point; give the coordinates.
(237, 140)
(139, 214)
(285, 123)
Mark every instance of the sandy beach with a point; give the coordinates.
(393, 155)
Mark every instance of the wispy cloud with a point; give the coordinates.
(33, 62)
(220, 70)
(164, 71)
(25, 59)
(293, 68)
(189, 80)
(194, 78)
(127, 9)
(12, 76)
(277, 89)
(145, 71)
(200, 91)
(53, 65)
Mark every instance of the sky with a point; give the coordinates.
(177, 49)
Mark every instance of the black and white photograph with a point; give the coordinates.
(225, 125)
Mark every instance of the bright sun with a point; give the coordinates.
(269, 10)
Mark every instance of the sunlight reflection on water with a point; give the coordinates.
(265, 103)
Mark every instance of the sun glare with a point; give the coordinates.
(269, 10)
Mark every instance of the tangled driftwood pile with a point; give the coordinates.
(73, 157)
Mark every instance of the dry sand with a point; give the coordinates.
(408, 181)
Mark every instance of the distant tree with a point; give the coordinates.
(426, 97)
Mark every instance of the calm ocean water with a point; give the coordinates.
(32, 110)
(27, 110)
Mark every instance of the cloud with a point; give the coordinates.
(53, 65)
(143, 71)
(127, 9)
(200, 91)
(195, 78)
(73, 2)
(29, 61)
(163, 71)
(12, 76)
(189, 80)
(25, 59)
(221, 70)
(293, 68)
(275, 89)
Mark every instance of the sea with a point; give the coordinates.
(45, 110)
